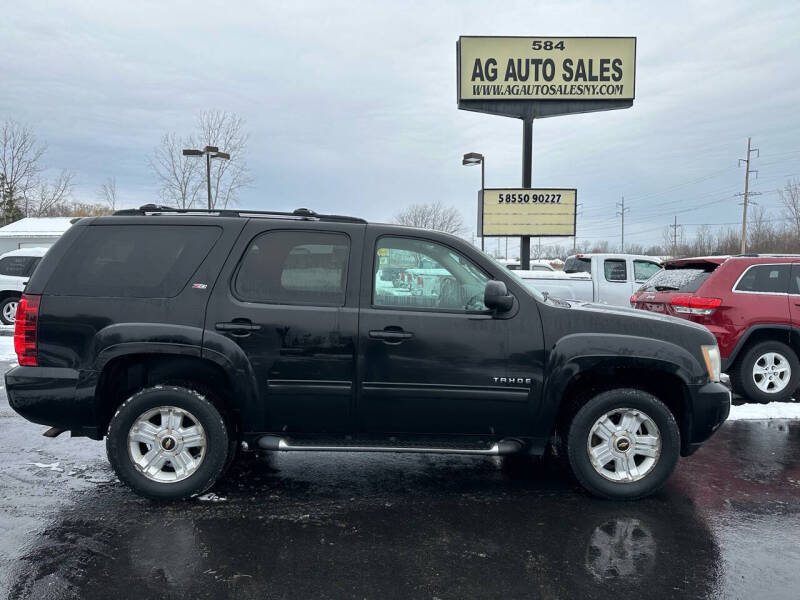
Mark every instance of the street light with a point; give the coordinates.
(471, 159)
(209, 152)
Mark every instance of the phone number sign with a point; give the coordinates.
(521, 212)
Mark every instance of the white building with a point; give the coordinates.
(32, 232)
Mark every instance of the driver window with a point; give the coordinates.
(420, 274)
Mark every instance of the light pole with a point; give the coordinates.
(473, 158)
(209, 152)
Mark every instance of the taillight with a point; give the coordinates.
(634, 298)
(25, 330)
(419, 281)
(695, 305)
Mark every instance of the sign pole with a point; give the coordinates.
(527, 170)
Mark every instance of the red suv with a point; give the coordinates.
(752, 306)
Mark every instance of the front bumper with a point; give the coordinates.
(56, 397)
(709, 406)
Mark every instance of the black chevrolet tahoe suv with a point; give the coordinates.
(183, 336)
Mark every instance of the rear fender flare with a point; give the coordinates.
(175, 340)
(786, 330)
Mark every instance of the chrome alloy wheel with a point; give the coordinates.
(167, 444)
(10, 312)
(624, 445)
(771, 372)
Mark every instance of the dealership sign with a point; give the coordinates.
(527, 212)
(546, 68)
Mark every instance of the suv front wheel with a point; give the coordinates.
(768, 372)
(168, 443)
(623, 444)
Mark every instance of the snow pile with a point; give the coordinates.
(7, 353)
(773, 410)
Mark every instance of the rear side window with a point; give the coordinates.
(615, 270)
(15, 266)
(132, 261)
(295, 267)
(681, 279)
(644, 269)
(770, 279)
(575, 264)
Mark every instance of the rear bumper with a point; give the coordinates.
(710, 405)
(55, 397)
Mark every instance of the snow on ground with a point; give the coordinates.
(773, 410)
(7, 353)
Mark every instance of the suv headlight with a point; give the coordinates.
(713, 361)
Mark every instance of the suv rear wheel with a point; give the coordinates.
(623, 444)
(768, 372)
(168, 443)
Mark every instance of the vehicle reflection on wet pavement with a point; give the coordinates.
(401, 526)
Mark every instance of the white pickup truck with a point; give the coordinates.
(602, 278)
(15, 269)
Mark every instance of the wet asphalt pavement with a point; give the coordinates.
(727, 525)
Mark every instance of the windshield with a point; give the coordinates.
(522, 282)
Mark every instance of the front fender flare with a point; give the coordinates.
(604, 353)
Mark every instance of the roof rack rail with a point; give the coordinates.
(304, 214)
(766, 255)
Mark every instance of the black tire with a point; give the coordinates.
(3, 309)
(201, 407)
(742, 374)
(579, 435)
(233, 453)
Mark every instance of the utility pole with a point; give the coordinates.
(747, 193)
(621, 213)
(575, 237)
(675, 237)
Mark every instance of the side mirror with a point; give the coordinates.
(496, 296)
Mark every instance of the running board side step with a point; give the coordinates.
(271, 442)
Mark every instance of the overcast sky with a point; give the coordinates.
(351, 107)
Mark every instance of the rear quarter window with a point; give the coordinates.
(578, 265)
(765, 279)
(15, 266)
(132, 261)
(681, 279)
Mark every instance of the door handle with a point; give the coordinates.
(238, 326)
(390, 335)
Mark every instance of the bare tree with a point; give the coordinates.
(703, 241)
(433, 215)
(179, 176)
(225, 131)
(108, 193)
(759, 230)
(48, 197)
(790, 198)
(20, 155)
